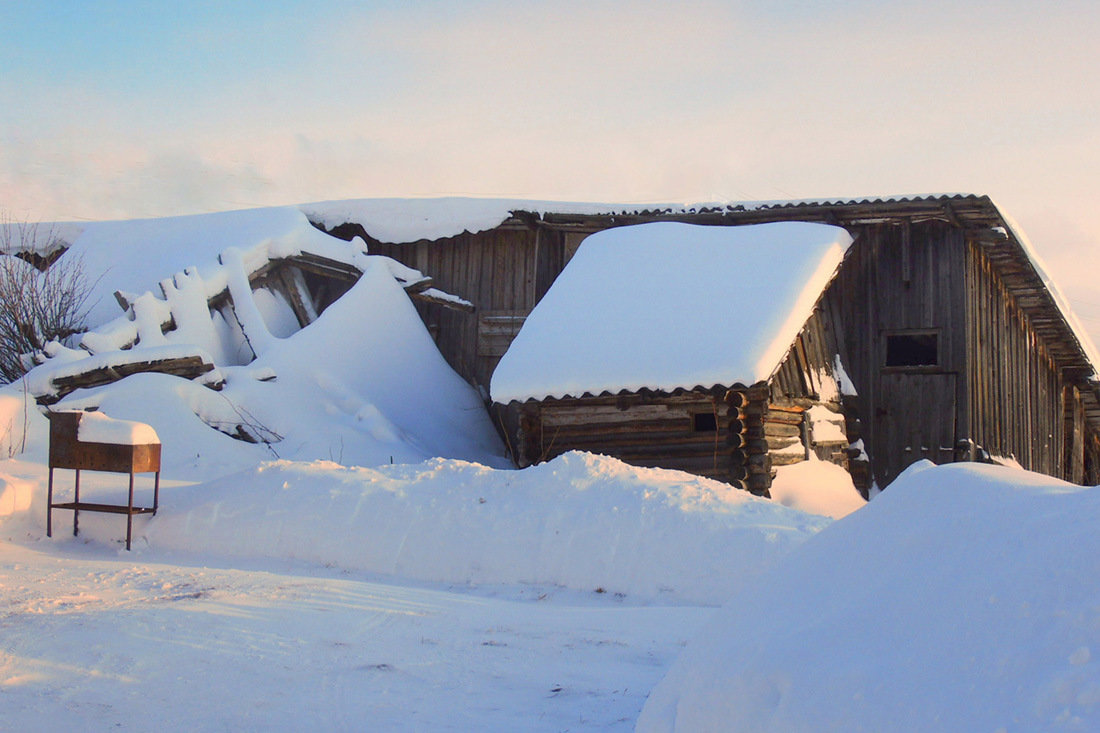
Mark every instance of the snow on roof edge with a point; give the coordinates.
(343, 211)
(803, 308)
(402, 220)
(438, 218)
(1088, 347)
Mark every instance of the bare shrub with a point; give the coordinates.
(36, 307)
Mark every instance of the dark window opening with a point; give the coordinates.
(704, 422)
(912, 349)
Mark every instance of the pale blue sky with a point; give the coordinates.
(125, 109)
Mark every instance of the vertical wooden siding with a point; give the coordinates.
(1017, 403)
(897, 277)
(502, 271)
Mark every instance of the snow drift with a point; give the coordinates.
(581, 521)
(363, 384)
(962, 598)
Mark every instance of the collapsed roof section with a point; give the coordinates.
(259, 275)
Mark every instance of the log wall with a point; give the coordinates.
(806, 379)
(718, 434)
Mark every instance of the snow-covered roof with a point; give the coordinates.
(135, 256)
(122, 248)
(410, 220)
(403, 220)
(666, 306)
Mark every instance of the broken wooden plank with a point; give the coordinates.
(438, 297)
(188, 367)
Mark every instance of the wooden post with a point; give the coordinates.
(76, 500)
(49, 505)
(130, 512)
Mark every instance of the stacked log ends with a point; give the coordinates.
(784, 430)
(529, 437)
(750, 464)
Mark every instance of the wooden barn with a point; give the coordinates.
(939, 337)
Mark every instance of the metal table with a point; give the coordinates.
(67, 451)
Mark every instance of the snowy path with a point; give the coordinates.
(96, 643)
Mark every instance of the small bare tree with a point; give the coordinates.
(36, 306)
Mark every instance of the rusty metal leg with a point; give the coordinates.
(49, 505)
(130, 512)
(156, 493)
(76, 499)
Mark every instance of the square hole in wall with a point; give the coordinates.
(704, 422)
(913, 349)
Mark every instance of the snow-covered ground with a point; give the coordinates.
(439, 596)
(94, 641)
(450, 596)
(376, 565)
(963, 598)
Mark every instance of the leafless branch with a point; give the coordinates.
(36, 307)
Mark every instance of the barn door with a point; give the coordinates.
(915, 419)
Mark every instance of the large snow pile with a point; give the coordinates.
(364, 384)
(963, 598)
(668, 305)
(817, 487)
(581, 521)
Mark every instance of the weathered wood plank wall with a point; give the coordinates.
(503, 272)
(1019, 406)
(900, 278)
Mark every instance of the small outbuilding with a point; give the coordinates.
(670, 344)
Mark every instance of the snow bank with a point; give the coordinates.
(363, 384)
(640, 306)
(817, 487)
(582, 521)
(962, 598)
(15, 495)
(21, 425)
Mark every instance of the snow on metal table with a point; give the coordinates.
(92, 441)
